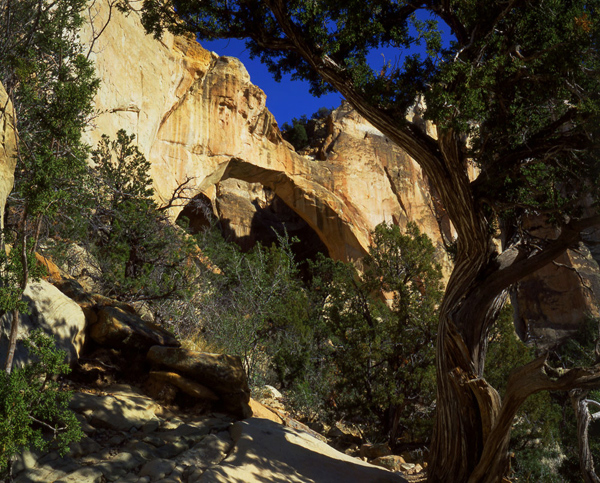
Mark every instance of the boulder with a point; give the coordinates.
(125, 408)
(51, 311)
(224, 374)
(186, 385)
(124, 330)
(261, 411)
(267, 451)
(372, 451)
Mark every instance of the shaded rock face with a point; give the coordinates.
(224, 374)
(552, 303)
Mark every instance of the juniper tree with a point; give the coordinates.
(51, 85)
(515, 94)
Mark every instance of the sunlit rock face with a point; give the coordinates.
(8, 150)
(197, 116)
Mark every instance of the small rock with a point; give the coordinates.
(143, 450)
(372, 451)
(83, 447)
(116, 440)
(87, 474)
(210, 451)
(172, 449)
(391, 462)
(172, 423)
(157, 469)
(24, 461)
(151, 426)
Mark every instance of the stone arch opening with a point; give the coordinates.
(307, 209)
(248, 220)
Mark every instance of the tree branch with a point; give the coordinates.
(523, 382)
(514, 264)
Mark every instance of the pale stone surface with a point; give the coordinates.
(267, 451)
(261, 411)
(52, 311)
(8, 150)
(120, 411)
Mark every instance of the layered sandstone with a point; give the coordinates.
(198, 117)
(8, 150)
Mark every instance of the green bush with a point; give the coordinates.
(34, 405)
(383, 351)
(250, 300)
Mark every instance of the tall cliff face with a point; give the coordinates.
(197, 115)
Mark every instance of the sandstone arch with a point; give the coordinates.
(325, 213)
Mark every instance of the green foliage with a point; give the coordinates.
(296, 133)
(12, 274)
(383, 353)
(33, 403)
(52, 85)
(251, 300)
(142, 256)
(535, 438)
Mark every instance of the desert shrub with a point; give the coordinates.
(371, 361)
(33, 404)
(249, 299)
(535, 437)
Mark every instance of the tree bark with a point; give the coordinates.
(14, 329)
(584, 418)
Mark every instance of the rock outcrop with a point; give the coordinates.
(197, 115)
(266, 451)
(8, 150)
(52, 311)
(201, 122)
(552, 303)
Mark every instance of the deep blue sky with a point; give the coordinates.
(285, 99)
(288, 99)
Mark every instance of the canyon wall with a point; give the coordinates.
(198, 118)
(200, 121)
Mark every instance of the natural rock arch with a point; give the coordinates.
(322, 211)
